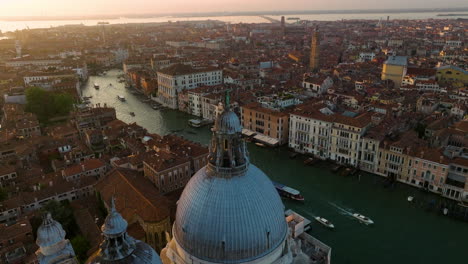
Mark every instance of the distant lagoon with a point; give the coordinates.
(12, 25)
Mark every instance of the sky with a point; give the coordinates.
(10, 8)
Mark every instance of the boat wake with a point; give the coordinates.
(343, 211)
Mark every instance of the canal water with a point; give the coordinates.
(403, 232)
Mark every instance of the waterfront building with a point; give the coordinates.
(195, 102)
(347, 131)
(456, 184)
(53, 247)
(273, 125)
(394, 68)
(314, 62)
(118, 246)
(310, 129)
(230, 211)
(429, 170)
(396, 156)
(179, 77)
(369, 158)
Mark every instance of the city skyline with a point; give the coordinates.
(106, 7)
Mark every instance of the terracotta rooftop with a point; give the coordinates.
(134, 194)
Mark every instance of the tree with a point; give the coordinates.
(81, 246)
(63, 213)
(47, 104)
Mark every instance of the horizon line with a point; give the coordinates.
(253, 13)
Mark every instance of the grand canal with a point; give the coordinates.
(403, 232)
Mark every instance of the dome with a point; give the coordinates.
(114, 223)
(120, 248)
(143, 254)
(230, 220)
(228, 123)
(49, 233)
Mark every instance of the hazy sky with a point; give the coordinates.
(109, 7)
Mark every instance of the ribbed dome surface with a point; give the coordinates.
(143, 254)
(230, 220)
(228, 123)
(114, 224)
(49, 233)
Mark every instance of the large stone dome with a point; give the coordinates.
(49, 233)
(230, 220)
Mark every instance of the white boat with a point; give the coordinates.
(96, 86)
(288, 192)
(121, 98)
(324, 222)
(260, 144)
(410, 198)
(363, 219)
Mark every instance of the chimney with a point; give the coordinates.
(83, 167)
(34, 188)
(51, 183)
(441, 159)
(422, 154)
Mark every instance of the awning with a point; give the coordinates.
(266, 139)
(456, 177)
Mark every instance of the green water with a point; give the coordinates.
(403, 232)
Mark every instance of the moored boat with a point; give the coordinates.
(363, 219)
(288, 192)
(324, 222)
(260, 144)
(121, 98)
(96, 86)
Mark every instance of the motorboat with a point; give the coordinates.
(288, 192)
(96, 86)
(132, 113)
(363, 219)
(324, 222)
(121, 98)
(410, 198)
(260, 144)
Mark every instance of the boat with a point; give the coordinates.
(410, 198)
(132, 113)
(260, 144)
(346, 172)
(155, 107)
(363, 219)
(288, 192)
(96, 86)
(293, 155)
(195, 123)
(308, 161)
(445, 211)
(336, 168)
(198, 123)
(324, 222)
(121, 98)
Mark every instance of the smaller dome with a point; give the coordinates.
(228, 123)
(114, 224)
(50, 232)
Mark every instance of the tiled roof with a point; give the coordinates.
(134, 194)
